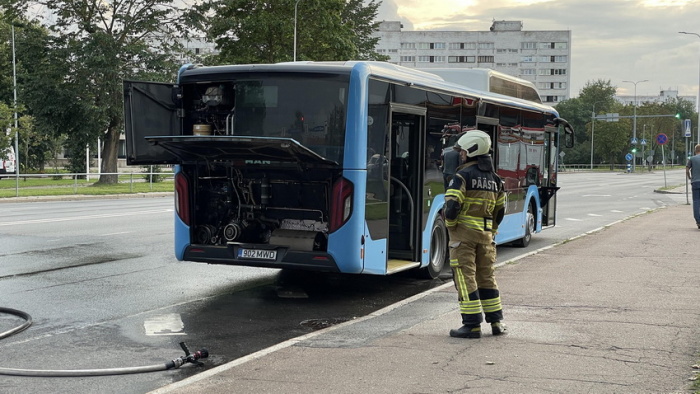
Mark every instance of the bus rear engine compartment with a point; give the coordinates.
(242, 205)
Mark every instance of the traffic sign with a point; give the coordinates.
(661, 139)
(644, 142)
(629, 157)
(686, 127)
(634, 141)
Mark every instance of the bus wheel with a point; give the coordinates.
(438, 251)
(529, 228)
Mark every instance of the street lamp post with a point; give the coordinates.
(698, 102)
(296, 4)
(593, 130)
(634, 126)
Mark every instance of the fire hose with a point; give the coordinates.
(192, 358)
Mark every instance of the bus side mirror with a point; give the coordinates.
(568, 132)
(568, 137)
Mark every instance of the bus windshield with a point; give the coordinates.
(310, 108)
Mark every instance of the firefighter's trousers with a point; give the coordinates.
(473, 273)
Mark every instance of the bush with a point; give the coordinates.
(153, 174)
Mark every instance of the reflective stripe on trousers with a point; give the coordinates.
(473, 273)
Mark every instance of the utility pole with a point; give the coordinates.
(634, 127)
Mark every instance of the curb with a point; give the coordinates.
(79, 197)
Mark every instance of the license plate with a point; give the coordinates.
(257, 254)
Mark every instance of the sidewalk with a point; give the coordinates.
(615, 311)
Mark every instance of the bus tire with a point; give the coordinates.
(529, 228)
(439, 254)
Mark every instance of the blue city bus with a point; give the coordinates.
(332, 166)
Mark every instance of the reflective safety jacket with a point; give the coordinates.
(474, 204)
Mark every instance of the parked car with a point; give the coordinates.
(7, 161)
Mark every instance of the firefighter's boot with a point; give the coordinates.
(498, 328)
(466, 331)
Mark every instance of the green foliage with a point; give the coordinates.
(72, 79)
(258, 31)
(611, 140)
(6, 116)
(153, 173)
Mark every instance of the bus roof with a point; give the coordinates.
(383, 70)
(489, 81)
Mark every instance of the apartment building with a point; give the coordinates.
(542, 57)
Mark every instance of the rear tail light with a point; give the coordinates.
(182, 198)
(341, 203)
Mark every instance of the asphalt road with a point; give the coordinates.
(103, 287)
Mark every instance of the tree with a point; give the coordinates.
(612, 140)
(95, 45)
(6, 118)
(595, 97)
(259, 31)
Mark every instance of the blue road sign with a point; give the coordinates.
(629, 157)
(644, 142)
(634, 141)
(661, 139)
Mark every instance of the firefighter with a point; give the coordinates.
(475, 205)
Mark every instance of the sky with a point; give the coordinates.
(611, 40)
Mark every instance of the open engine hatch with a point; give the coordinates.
(260, 149)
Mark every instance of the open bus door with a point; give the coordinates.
(150, 109)
(548, 191)
(406, 164)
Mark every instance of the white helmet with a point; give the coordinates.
(475, 143)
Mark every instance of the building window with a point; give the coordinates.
(527, 59)
(485, 59)
(528, 45)
(551, 85)
(554, 99)
(437, 59)
(486, 45)
(408, 59)
(461, 45)
(461, 59)
(423, 45)
(553, 71)
(393, 51)
(527, 71)
(559, 59)
(437, 45)
(408, 45)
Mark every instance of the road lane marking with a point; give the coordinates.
(161, 325)
(574, 220)
(87, 217)
(110, 234)
(594, 214)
